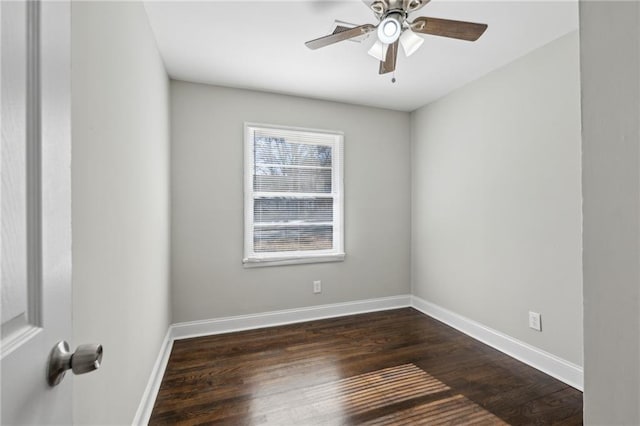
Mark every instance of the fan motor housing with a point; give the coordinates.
(382, 8)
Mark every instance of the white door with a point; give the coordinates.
(35, 208)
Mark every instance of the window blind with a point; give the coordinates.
(293, 193)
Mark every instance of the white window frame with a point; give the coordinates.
(253, 259)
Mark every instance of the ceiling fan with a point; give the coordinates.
(394, 28)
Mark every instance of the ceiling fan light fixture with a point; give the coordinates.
(390, 28)
(410, 42)
(379, 50)
(394, 28)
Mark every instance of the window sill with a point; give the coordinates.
(258, 263)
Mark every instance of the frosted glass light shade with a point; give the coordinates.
(379, 50)
(389, 29)
(410, 42)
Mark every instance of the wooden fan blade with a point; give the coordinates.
(340, 36)
(447, 28)
(389, 64)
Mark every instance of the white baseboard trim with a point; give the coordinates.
(288, 316)
(155, 379)
(550, 364)
(247, 322)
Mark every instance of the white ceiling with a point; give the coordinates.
(260, 45)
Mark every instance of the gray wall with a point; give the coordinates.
(208, 278)
(610, 74)
(120, 193)
(497, 200)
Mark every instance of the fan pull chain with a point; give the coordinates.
(393, 78)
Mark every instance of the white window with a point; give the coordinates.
(293, 191)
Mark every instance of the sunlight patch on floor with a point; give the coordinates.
(339, 400)
(452, 410)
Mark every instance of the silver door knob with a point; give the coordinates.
(86, 358)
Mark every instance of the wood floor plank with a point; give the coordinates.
(391, 367)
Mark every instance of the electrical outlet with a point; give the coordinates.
(534, 321)
(317, 287)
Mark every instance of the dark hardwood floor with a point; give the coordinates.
(384, 368)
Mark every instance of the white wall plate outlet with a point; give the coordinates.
(317, 287)
(534, 321)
